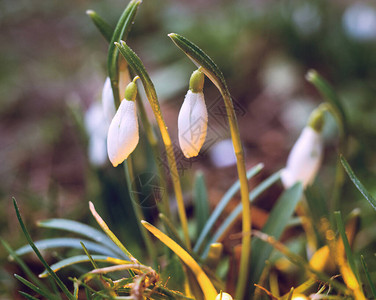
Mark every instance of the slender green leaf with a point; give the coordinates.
(231, 218)
(171, 230)
(121, 31)
(81, 229)
(65, 243)
(23, 266)
(81, 259)
(277, 221)
(346, 244)
(200, 197)
(222, 205)
(42, 292)
(371, 284)
(357, 183)
(45, 264)
(105, 29)
(27, 296)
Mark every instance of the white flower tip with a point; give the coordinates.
(223, 296)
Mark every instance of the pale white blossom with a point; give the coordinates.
(108, 102)
(304, 159)
(224, 296)
(192, 123)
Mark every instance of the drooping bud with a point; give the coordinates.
(123, 134)
(305, 157)
(108, 102)
(193, 117)
(223, 296)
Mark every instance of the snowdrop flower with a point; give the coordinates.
(123, 136)
(305, 157)
(223, 296)
(108, 101)
(193, 117)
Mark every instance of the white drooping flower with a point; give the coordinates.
(193, 117)
(123, 135)
(305, 157)
(108, 101)
(223, 296)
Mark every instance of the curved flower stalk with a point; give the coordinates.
(305, 157)
(123, 135)
(193, 117)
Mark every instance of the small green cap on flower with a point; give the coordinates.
(196, 83)
(223, 296)
(316, 120)
(131, 90)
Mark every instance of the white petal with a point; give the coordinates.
(192, 124)
(108, 101)
(95, 122)
(123, 135)
(97, 150)
(304, 159)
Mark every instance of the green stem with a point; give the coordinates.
(129, 178)
(135, 63)
(211, 70)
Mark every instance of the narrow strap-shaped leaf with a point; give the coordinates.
(277, 221)
(200, 197)
(81, 229)
(171, 230)
(81, 259)
(58, 281)
(357, 182)
(365, 269)
(109, 233)
(346, 244)
(121, 32)
(66, 243)
(230, 219)
(203, 280)
(36, 289)
(105, 29)
(28, 296)
(222, 205)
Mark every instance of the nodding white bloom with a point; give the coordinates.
(193, 117)
(108, 101)
(123, 135)
(305, 157)
(223, 296)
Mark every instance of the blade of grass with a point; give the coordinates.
(109, 233)
(200, 198)
(61, 285)
(230, 220)
(219, 208)
(121, 31)
(81, 229)
(357, 182)
(82, 259)
(65, 243)
(371, 284)
(27, 296)
(203, 280)
(105, 29)
(42, 292)
(277, 221)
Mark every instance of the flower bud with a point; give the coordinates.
(108, 102)
(305, 157)
(193, 117)
(123, 135)
(223, 296)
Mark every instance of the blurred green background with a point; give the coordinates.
(53, 66)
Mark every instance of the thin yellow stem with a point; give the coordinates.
(244, 193)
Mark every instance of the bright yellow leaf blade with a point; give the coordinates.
(206, 285)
